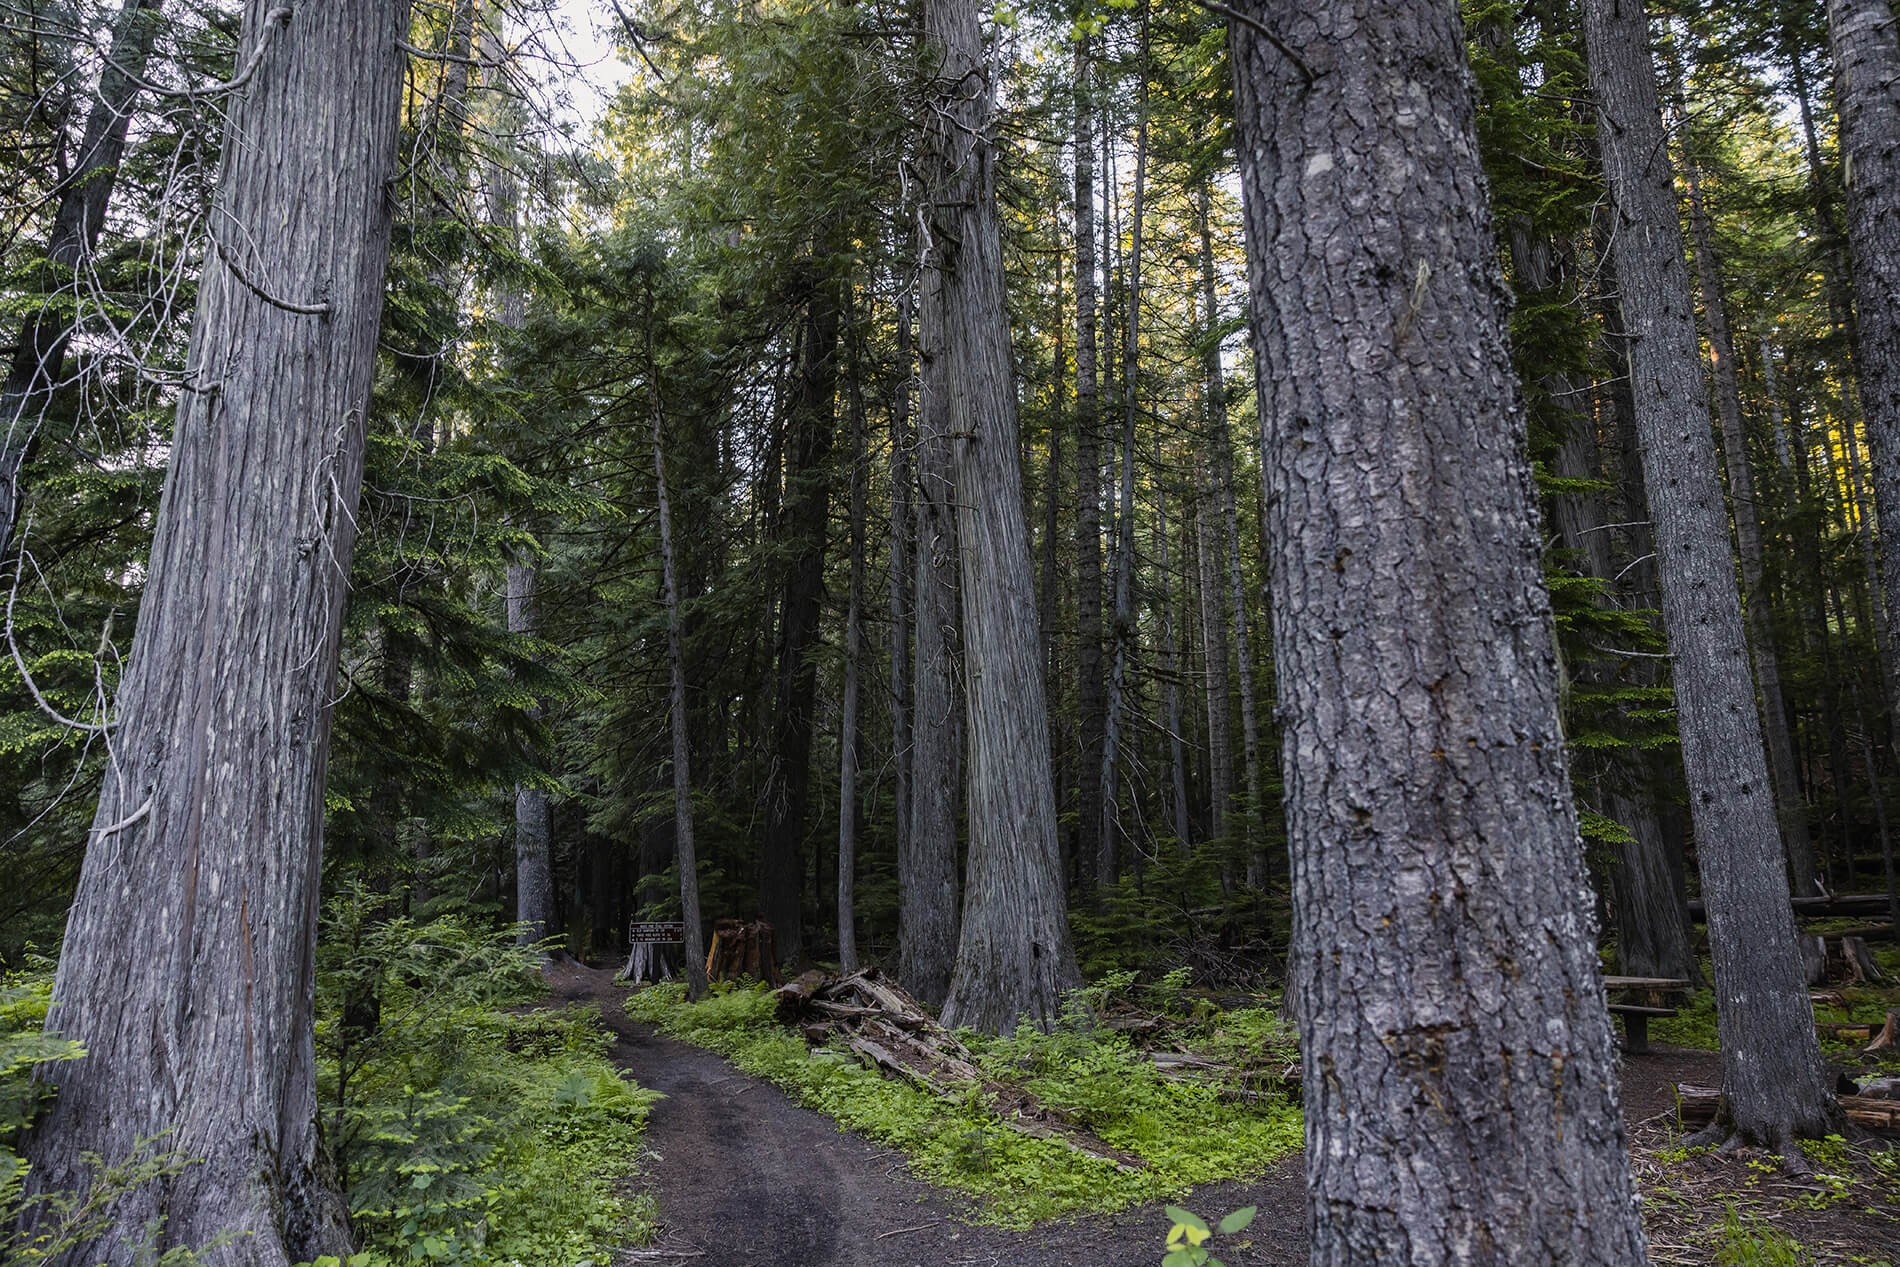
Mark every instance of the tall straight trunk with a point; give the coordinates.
(1216, 389)
(848, 709)
(1773, 1088)
(803, 525)
(1219, 694)
(1444, 962)
(1790, 807)
(1091, 688)
(1107, 856)
(685, 851)
(1803, 528)
(1171, 672)
(1867, 94)
(534, 872)
(206, 848)
(38, 365)
(1014, 957)
(1046, 601)
(927, 909)
(900, 584)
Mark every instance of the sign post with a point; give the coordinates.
(644, 939)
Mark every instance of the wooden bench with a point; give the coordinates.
(1636, 1015)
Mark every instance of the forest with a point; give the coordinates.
(867, 631)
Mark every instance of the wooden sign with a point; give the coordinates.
(660, 933)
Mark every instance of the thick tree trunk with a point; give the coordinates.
(534, 826)
(1772, 1076)
(1790, 806)
(685, 853)
(207, 845)
(1090, 685)
(1014, 957)
(1867, 93)
(927, 911)
(1451, 1009)
(39, 357)
(807, 512)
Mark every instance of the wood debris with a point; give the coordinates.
(1696, 1106)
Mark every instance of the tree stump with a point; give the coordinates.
(740, 949)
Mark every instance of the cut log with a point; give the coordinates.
(1695, 1106)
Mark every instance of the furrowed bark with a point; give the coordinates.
(1013, 957)
(1451, 1008)
(207, 845)
(1867, 92)
(1090, 685)
(1772, 1074)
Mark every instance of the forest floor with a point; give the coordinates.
(746, 1178)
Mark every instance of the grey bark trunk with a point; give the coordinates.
(927, 910)
(39, 357)
(900, 585)
(1257, 863)
(1090, 685)
(685, 851)
(1108, 849)
(1773, 1087)
(1790, 806)
(1014, 956)
(1451, 1008)
(534, 825)
(207, 845)
(1219, 695)
(1867, 93)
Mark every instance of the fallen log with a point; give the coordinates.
(1853, 905)
(1695, 1107)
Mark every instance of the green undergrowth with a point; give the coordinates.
(468, 1131)
(1186, 1135)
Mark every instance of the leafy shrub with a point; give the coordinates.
(467, 1134)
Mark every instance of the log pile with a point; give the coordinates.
(871, 1015)
(1696, 1106)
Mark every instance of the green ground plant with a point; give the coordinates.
(1185, 1135)
(468, 1131)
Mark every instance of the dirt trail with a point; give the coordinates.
(746, 1178)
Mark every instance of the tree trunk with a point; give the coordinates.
(927, 912)
(1771, 1062)
(39, 357)
(1220, 743)
(1171, 673)
(806, 515)
(1257, 862)
(1451, 1009)
(848, 709)
(207, 844)
(685, 852)
(1090, 685)
(1790, 807)
(534, 872)
(1107, 854)
(1867, 93)
(900, 604)
(1013, 958)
